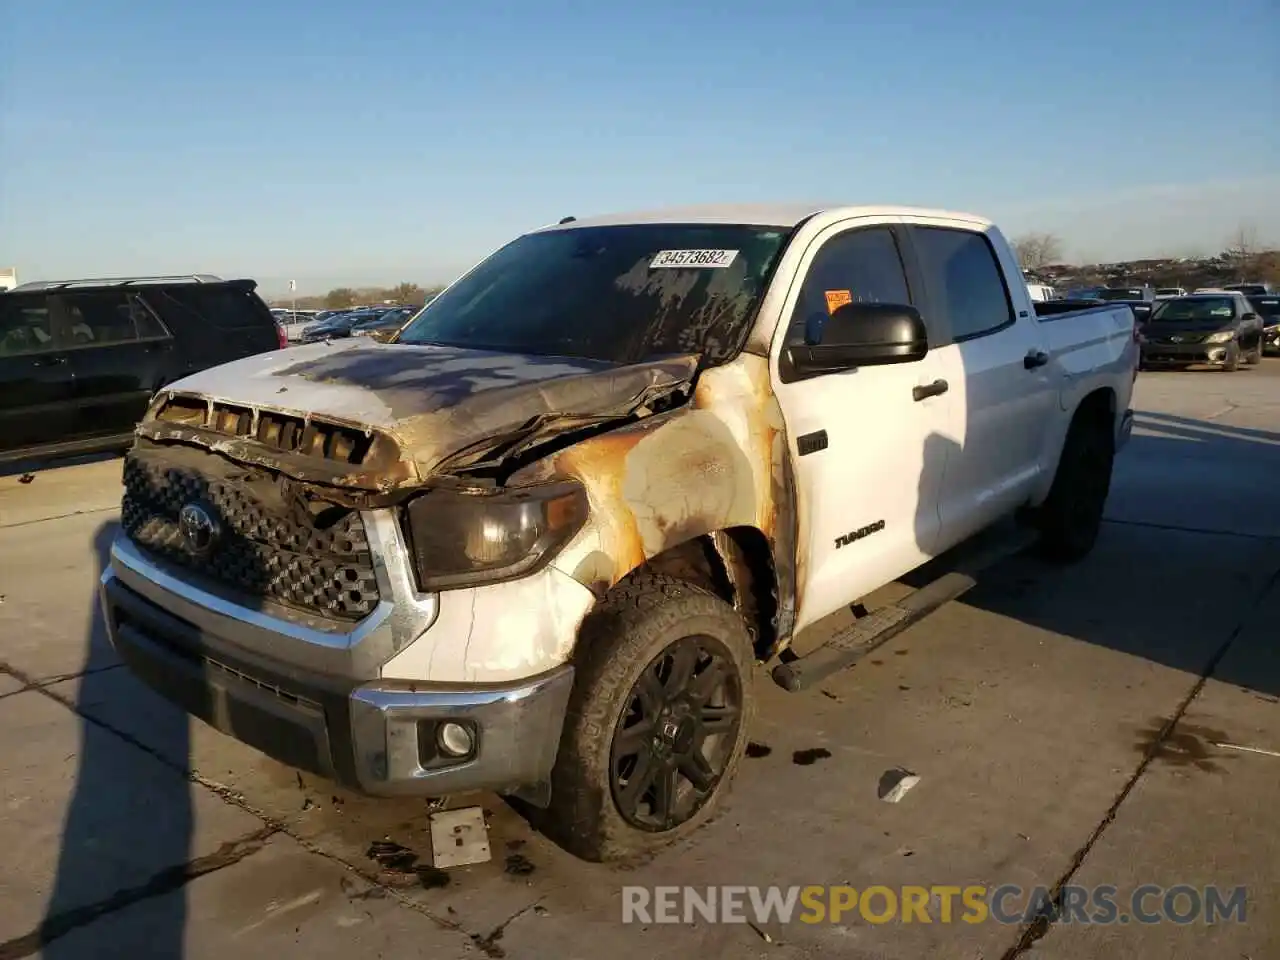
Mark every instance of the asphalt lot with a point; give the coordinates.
(1064, 723)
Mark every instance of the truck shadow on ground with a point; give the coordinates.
(1190, 546)
(123, 839)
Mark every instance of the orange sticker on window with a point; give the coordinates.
(837, 299)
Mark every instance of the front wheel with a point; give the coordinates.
(1232, 363)
(1071, 516)
(657, 721)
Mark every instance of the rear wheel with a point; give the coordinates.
(657, 722)
(1255, 356)
(1071, 516)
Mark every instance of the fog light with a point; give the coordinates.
(454, 739)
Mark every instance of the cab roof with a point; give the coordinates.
(786, 215)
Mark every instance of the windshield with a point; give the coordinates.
(1205, 309)
(1267, 307)
(616, 293)
(1121, 294)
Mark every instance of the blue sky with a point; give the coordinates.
(353, 143)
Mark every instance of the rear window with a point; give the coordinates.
(225, 307)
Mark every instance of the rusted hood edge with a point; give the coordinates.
(454, 437)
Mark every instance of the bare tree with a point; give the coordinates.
(1037, 250)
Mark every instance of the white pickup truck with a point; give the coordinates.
(541, 541)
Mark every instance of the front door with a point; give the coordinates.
(868, 450)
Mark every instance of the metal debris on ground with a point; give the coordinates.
(400, 866)
(459, 837)
(894, 784)
(518, 865)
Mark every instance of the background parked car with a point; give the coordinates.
(1268, 310)
(1221, 329)
(338, 325)
(80, 360)
(1140, 299)
(386, 324)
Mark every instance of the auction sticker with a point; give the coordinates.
(692, 258)
(837, 299)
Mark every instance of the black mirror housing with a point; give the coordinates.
(863, 335)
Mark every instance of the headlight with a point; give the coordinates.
(462, 539)
(1222, 337)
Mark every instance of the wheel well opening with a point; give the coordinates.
(736, 565)
(1099, 406)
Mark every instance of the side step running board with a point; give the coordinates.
(866, 633)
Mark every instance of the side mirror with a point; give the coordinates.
(1249, 316)
(861, 335)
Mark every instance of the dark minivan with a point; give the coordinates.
(80, 359)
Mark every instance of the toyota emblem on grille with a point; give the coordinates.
(199, 528)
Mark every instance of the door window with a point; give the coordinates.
(98, 319)
(26, 326)
(964, 276)
(858, 266)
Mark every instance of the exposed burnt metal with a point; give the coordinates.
(421, 410)
(711, 470)
(305, 436)
(669, 455)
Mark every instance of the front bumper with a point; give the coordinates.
(1271, 340)
(1157, 353)
(328, 715)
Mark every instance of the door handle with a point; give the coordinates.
(935, 389)
(1036, 358)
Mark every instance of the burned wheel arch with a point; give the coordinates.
(702, 493)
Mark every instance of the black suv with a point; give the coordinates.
(80, 359)
(1267, 306)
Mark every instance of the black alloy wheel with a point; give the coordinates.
(676, 734)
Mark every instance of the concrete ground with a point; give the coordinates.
(1079, 726)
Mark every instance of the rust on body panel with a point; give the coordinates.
(715, 464)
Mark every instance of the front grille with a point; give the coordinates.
(268, 553)
(1182, 338)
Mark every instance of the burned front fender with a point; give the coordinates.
(715, 464)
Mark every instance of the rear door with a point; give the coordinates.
(119, 352)
(214, 323)
(37, 384)
(1001, 377)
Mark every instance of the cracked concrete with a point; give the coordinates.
(1040, 712)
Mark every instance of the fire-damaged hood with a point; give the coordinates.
(443, 408)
